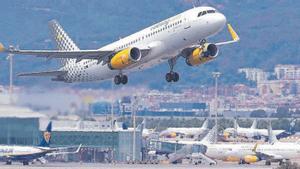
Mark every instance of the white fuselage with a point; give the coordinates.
(165, 40)
(249, 132)
(183, 131)
(223, 151)
(227, 151)
(8, 151)
(279, 150)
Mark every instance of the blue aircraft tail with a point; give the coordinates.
(46, 136)
(289, 132)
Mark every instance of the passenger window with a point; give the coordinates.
(203, 13)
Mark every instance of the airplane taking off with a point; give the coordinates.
(26, 154)
(182, 35)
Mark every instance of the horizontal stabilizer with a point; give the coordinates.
(49, 73)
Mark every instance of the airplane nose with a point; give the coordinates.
(220, 20)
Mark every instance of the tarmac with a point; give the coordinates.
(220, 165)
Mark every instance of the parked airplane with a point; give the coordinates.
(27, 154)
(273, 151)
(252, 132)
(192, 132)
(182, 35)
(147, 133)
(246, 153)
(277, 151)
(221, 151)
(291, 131)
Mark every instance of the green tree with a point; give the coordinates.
(258, 113)
(282, 112)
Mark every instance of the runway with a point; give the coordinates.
(135, 166)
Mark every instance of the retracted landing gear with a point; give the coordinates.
(120, 79)
(172, 76)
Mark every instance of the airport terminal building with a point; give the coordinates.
(101, 144)
(19, 126)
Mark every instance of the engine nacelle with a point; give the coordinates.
(251, 159)
(125, 58)
(168, 134)
(202, 55)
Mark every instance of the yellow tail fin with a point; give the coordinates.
(2, 48)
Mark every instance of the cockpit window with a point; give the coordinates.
(199, 14)
(206, 12)
(211, 11)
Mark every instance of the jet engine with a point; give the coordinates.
(170, 135)
(125, 58)
(251, 159)
(202, 54)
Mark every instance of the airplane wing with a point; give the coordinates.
(235, 38)
(48, 73)
(99, 55)
(58, 151)
(204, 157)
(184, 142)
(61, 54)
(266, 156)
(48, 152)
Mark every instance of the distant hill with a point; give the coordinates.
(269, 31)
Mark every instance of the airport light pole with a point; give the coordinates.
(112, 107)
(134, 109)
(216, 75)
(176, 146)
(10, 58)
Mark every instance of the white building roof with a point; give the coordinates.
(18, 112)
(83, 126)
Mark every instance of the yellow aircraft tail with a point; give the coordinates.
(2, 48)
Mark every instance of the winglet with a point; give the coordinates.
(233, 34)
(254, 124)
(205, 124)
(78, 149)
(255, 147)
(235, 37)
(2, 48)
